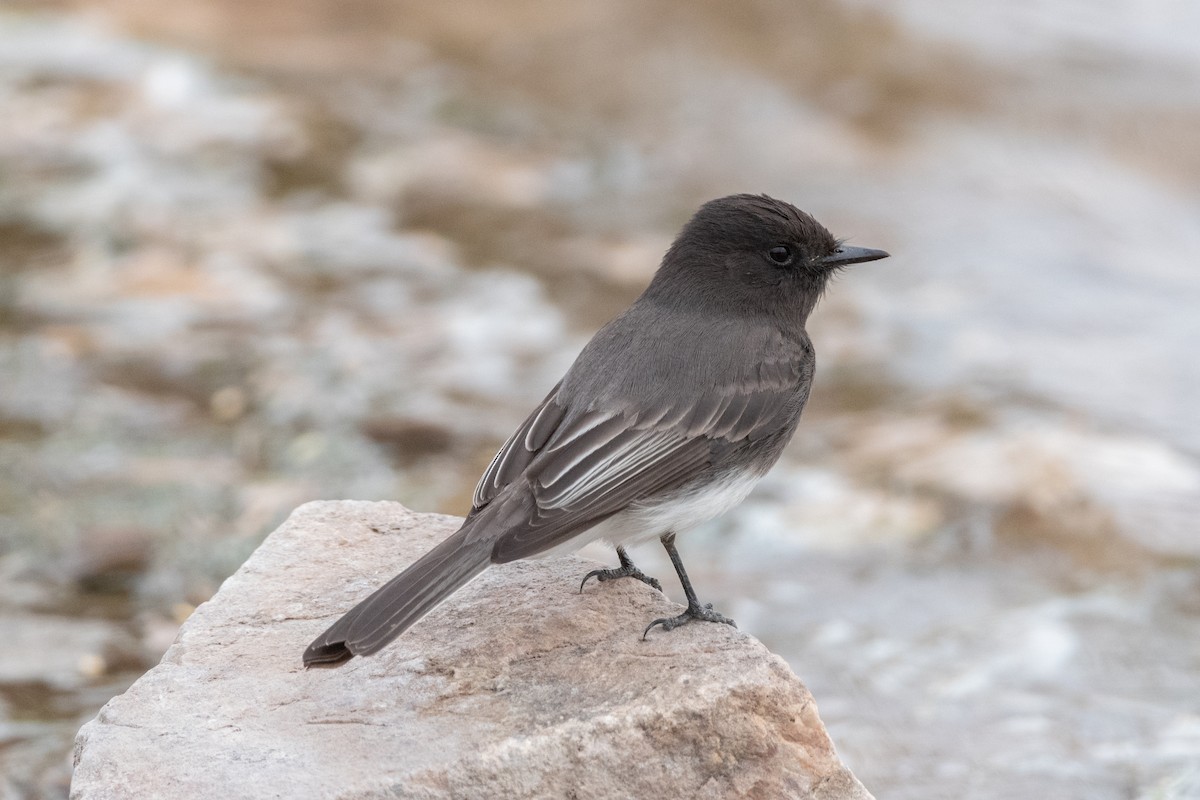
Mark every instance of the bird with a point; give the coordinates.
(667, 418)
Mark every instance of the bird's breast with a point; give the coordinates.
(679, 511)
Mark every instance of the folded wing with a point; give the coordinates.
(580, 466)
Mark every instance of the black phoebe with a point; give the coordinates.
(668, 417)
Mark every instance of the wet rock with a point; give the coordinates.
(1079, 482)
(518, 686)
(407, 440)
(110, 558)
(60, 652)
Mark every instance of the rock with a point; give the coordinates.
(60, 653)
(517, 687)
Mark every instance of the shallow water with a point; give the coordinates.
(252, 256)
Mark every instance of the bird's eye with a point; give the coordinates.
(781, 255)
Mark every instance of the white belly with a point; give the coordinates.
(679, 513)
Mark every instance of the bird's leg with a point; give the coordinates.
(694, 609)
(626, 570)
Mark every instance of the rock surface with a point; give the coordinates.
(517, 687)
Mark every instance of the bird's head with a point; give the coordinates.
(753, 253)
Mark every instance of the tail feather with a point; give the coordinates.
(399, 603)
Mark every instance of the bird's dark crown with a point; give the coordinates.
(764, 239)
(744, 222)
(746, 252)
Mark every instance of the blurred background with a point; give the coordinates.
(255, 254)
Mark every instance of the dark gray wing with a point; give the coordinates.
(515, 454)
(579, 467)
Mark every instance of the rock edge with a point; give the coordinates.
(517, 687)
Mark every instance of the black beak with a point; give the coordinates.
(852, 255)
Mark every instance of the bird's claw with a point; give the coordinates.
(692, 612)
(629, 571)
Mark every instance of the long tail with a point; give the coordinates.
(403, 600)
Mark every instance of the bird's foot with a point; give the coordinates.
(694, 611)
(626, 570)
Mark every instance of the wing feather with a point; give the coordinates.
(572, 466)
(552, 525)
(516, 454)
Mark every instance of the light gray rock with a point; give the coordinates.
(62, 653)
(517, 687)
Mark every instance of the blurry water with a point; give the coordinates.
(257, 255)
